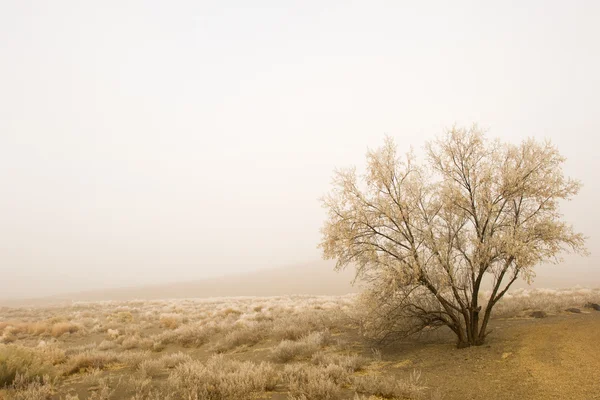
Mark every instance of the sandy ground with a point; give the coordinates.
(552, 358)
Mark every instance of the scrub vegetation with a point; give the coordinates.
(291, 347)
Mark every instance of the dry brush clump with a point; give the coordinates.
(305, 381)
(304, 348)
(188, 335)
(135, 341)
(90, 359)
(170, 321)
(389, 387)
(157, 366)
(304, 321)
(28, 364)
(247, 334)
(27, 388)
(12, 330)
(349, 362)
(221, 379)
(107, 345)
(61, 328)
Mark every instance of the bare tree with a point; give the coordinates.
(426, 236)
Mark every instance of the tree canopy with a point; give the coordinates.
(427, 234)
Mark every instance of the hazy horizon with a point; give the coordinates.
(145, 142)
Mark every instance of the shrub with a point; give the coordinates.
(170, 321)
(389, 387)
(174, 359)
(134, 358)
(38, 328)
(150, 368)
(187, 335)
(288, 350)
(131, 342)
(230, 311)
(61, 328)
(103, 392)
(144, 390)
(112, 333)
(351, 363)
(123, 317)
(90, 359)
(158, 346)
(107, 345)
(146, 343)
(4, 325)
(25, 388)
(14, 328)
(27, 363)
(246, 335)
(220, 379)
(51, 353)
(291, 328)
(80, 349)
(8, 337)
(307, 381)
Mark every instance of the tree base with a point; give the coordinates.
(462, 345)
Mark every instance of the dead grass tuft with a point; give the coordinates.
(170, 321)
(220, 379)
(305, 381)
(288, 350)
(90, 359)
(389, 387)
(26, 363)
(61, 328)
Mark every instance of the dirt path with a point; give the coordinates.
(553, 358)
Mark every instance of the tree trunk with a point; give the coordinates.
(471, 334)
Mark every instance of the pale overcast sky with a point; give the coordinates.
(153, 141)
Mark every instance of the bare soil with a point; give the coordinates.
(552, 358)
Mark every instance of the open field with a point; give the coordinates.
(292, 347)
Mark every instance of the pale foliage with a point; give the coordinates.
(288, 350)
(426, 235)
(219, 378)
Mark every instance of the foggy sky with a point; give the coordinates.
(152, 141)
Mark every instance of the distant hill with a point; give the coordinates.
(316, 278)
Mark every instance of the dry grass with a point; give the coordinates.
(61, 328)
(90, 359)
(220, 379)
(388, 387)
(243, 335)
(26, 363)
(170, 321)
(350, 362)
(187, 336)
(520, 301)
(25, 388)
(198, 348)
(312, 382)
(288, 350)
(131, 342)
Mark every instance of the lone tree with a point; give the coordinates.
(427, 236)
